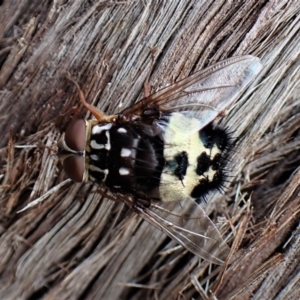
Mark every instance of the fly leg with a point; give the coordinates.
(99, 115)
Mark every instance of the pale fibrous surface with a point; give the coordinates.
(77, 243)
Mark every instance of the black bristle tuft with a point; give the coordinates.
(212, 137)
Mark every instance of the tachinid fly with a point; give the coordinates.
(162, 155)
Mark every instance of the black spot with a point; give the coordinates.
(205, 186)
(221, 139)
(201, 189)
(100, 138)
(182, 162)
(203, 163)
(217, 162)
(211, 136)
(206, 135)
(218, 179)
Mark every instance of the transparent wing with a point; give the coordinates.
(187, 223)
(204, 94)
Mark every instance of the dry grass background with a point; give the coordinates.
(77, 245)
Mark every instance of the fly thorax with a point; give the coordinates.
(124, 158)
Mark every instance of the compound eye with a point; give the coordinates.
(75, 135)
(74, 167)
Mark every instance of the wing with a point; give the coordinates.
(204, 94)
(187, 223)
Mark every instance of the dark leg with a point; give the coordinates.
(99, 115)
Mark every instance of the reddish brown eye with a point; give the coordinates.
(74, 167)
(75, 135)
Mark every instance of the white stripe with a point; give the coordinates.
(125, 152)
(107, 146)
(95, 145)
(96, 169)
(135, 143)
(123, 171)
(122, 130)
(94, 157)
(99, 128)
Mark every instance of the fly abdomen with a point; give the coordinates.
(195, 159)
